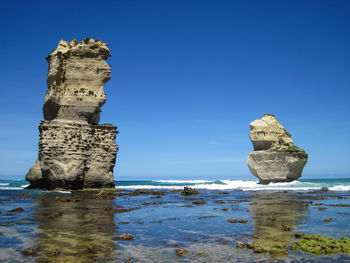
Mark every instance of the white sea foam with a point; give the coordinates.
(340, 188)
(224, 185)
(244, 185)
(150, 187)
(255, 186)
(63, 192)
(183, 181)
(11, 188)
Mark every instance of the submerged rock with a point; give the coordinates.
(29, 252)
(199, 202)
(126, 236)
(233, 220)
(181, 252)
(18, 209)
(74, 151)
(201, 253)
(189, 191)
(275, 157)
(146, 192)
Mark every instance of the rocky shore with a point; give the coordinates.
(116, 225)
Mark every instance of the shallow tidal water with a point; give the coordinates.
(84, 226)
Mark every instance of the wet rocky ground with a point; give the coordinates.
(174, 226)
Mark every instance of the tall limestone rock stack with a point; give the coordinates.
(275, 157)
(74, 151)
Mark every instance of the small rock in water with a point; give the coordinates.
(199, 202)
(286, 228)
(54, 215)
(18, 209)
(271, 218)
(242, 221)
(201, 253)
(138, 192)
(299, 235)
(126, 236)
(203, 217)
(54, 252)
(29, 252)
(181, 252)
(240, 245)
(189, 191)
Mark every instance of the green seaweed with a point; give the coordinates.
(318, 245)
(201, 253)
(293, 148)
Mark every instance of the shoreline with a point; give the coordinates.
(87, 225)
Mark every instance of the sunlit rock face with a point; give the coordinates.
(275, 157)
(74, 151)
(77, 73)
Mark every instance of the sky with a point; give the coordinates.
(187, 79)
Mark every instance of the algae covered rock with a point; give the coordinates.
(126, 236)
(181, 252)
(275, 157)
(189, 191)
(318, 245)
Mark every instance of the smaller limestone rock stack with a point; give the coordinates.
(74, 151)
(275, 157)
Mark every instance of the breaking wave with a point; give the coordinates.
(242, 185)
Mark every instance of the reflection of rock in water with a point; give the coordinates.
(75, 230)
(275, 217)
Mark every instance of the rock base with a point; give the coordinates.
(74, 156)
(272, 166)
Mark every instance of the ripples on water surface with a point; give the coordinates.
(71, 227)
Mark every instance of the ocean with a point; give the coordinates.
(244, 185)
(166, 226)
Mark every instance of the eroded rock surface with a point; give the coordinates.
(77, 73)
(74, 151)
(275, 157)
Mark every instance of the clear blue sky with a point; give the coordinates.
(187, 79)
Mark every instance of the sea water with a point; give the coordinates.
(62, 228)
(342, 184)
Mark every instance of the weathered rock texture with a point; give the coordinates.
(275, 157)
(75, 152)
(77, 73)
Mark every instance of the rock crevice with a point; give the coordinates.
(74, 151)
